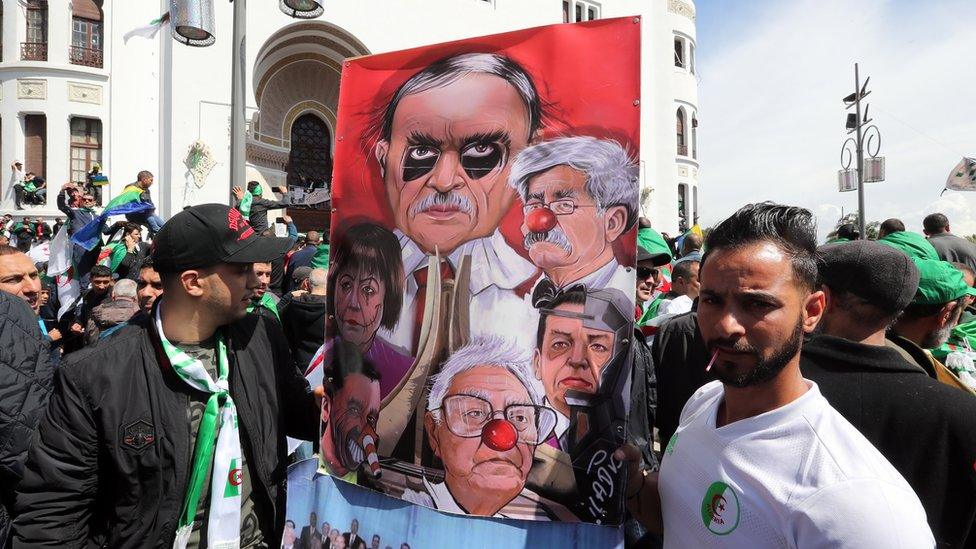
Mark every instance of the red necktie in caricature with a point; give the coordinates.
(420, 301)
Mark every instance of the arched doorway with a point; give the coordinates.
(310, 158)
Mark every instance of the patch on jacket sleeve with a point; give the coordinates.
(138, 435)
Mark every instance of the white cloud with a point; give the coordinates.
(773, 123)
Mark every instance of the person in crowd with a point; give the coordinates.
(58, 223)
(309, 530)
(87, 480)
(14, 190)
(326, 539)
(935, 310)
(949, 246)
(679, 356)
(299, 282)
(19, 277)
(99, 289)
(26, 378)
(489, 380)
(729, 476)
(846, 233)
(580, 334)
(350, 412)
(288, 539)
(257, 212)
(653, 256)
(449, 198)
(263, 302)
(148, 218)
(352, 538)
(883, 393)
(149, 285)
(365, 294)
(911, 244)
(579, 197)
(79, 212)
(375, 542)
(278, 266)
(123, 256)
(303, 318)
(684, 288)
(302, 258)
(42, 229)
(113, 312)
(691, 247)
(95, 181)
(890, 226)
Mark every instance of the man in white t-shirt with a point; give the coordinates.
(760, 459)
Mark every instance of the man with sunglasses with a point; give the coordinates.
(78, 216)
(579, 196)
(484, 421)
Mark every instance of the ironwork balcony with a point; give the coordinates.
(33, 51)
(88, 57)
(683, 150)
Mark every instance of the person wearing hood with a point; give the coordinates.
(303, 317)
(114, 312)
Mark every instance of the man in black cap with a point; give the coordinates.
(171, 431)
(884, 395)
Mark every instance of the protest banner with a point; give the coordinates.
(318, 502)
(481, 283)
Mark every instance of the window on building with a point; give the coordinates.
(691, 58)
(579, 12)
(35, 48)
(310, 160)
(86, 146)
(590, 13)
(694, 204)
(35, 144)
(565, 11)
(679, 52)
(694, 136)
(682, 206)
(680, 131)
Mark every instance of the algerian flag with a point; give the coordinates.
(126, 203)
(963, 176)
(147, 31)
(59, 267)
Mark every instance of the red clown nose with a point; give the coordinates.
(499, 435)
(540, 220)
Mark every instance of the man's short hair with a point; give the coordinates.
(935, 223)
(612, 176)
(848, 231)
(313, 237)
(100, 271)
(144, 174)
(347, 361)
(493, 351)
(445, 72)
(916, 312)
(692, 242)
(318, 278)
(682, 269)
(376, 250)
(892, 225)
(964, 269)
(147, 264)
(864, 311)
(125, 288)
(6, 249)
(791, 228)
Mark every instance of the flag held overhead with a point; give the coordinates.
(963, 176)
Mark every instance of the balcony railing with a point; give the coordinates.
(33, 51)
(683, 150)
(85, 56)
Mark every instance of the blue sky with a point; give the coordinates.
(772, 74)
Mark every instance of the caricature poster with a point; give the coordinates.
(481, 283)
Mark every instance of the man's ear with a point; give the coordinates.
(536, 361)
(813, 310)
(326, 409)
(430, 426)
(945, 315)
(192, 283)
(380, 151)
(614, 219)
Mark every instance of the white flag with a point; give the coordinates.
(40, 253)
(59, 267)
(147, 31)
(963, 176)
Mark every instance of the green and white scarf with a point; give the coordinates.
(220, 419)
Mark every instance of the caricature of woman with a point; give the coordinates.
(366, 292)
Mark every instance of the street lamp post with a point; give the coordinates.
(193, 24)
(867, 138)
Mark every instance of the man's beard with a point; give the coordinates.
(765, 368)
(938, 337)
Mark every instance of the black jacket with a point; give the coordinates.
(111, 459)
(643, 401)
(679, 361)
(26, 378)
(927, 430)
(303, 321)
(258, 217)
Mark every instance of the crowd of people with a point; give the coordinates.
(789, 393)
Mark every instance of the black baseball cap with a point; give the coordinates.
(209, 234)
(879, 274)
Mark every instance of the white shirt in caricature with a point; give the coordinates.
(496, 270)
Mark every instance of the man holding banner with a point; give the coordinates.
(149, 435)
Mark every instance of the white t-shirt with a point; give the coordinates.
(798, 476)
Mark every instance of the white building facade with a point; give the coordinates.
(165, 107)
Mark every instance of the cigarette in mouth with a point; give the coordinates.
(712, 361)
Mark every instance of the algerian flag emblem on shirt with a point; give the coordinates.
(720, 509)
(234, 480)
